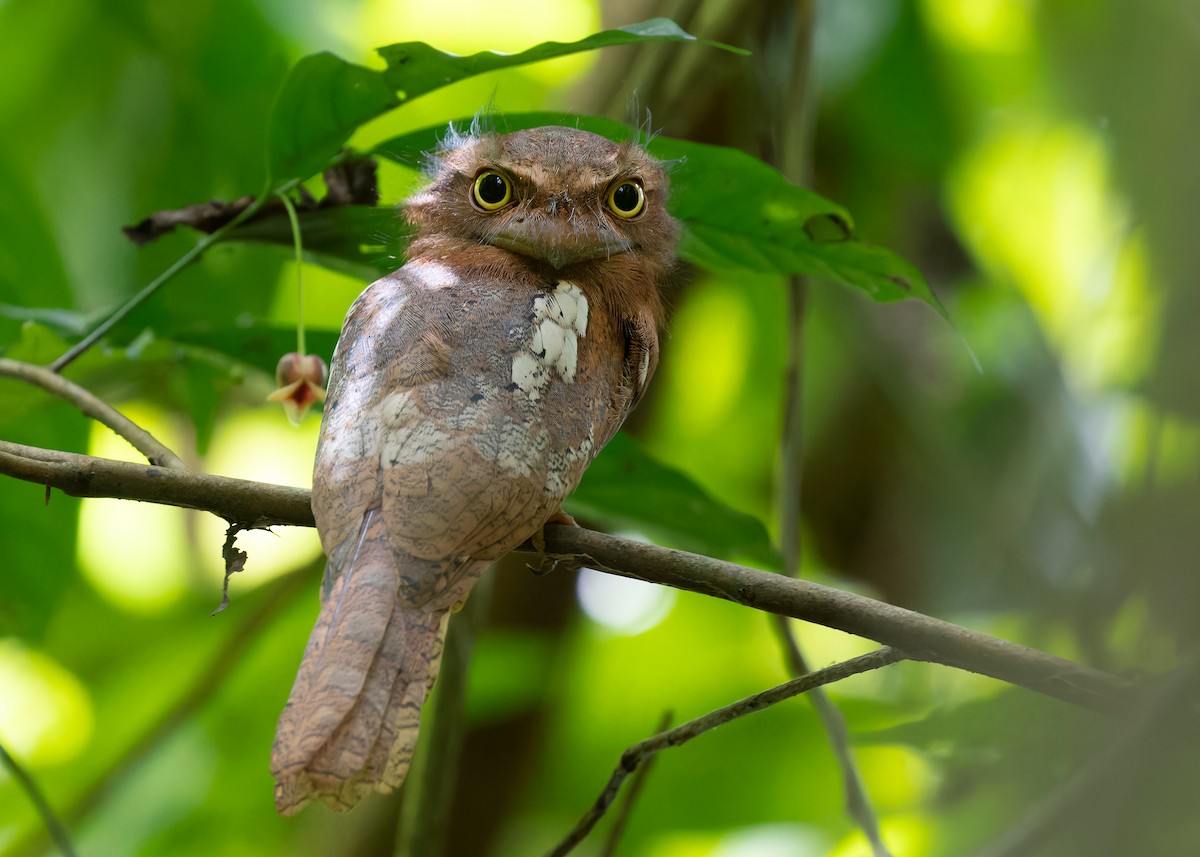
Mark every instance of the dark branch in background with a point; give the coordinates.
(920, 637)
(1166, 707)
(785, 79)
(636, 755)
(350, 182)
(429, 787)
(58, 831)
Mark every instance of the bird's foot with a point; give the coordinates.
(547, 564)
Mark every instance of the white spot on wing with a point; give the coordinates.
(551, 337)
(560, 318)
(569, 357)
(434, 275)
(529, 373)
(575, 306)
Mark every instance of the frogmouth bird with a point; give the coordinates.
(468, 392)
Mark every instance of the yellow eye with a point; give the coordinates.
(492, 190)
(626, 198)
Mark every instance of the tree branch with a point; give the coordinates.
(631, 795)
(920, 637)
(632, 758)
(53, 383)
(251, 504)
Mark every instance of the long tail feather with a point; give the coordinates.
(351, 721)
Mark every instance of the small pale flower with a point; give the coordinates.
(301, 379)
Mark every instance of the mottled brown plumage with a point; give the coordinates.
(468, 393)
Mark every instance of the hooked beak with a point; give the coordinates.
(556, 250)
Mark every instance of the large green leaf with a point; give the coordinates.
(39, 344)
(324, 99)
(259, 346)
(624, 488)
(740, 214)
(415, 68)
(357, 240)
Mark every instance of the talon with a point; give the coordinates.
(546, 564)
(560, 517)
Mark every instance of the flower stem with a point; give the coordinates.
(299, 244)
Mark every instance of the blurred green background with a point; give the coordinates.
(1035, 158)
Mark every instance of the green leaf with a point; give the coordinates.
(357, 240)
(39, 344)
(259, 346)
(415, 68)
(625, 488)
(752, 219)
(39, 554)
(189, 372)
(324, 99)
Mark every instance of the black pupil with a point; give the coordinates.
(625, 197)
(492, 188)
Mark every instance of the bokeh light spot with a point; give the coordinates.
(479, 25)
(774, 840)
(986, 26)
(709, 354)
(1035, 202)
(133, 553)
(46, 713)
(261, 445)
(620, 604)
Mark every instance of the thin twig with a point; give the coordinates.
(639, 753)
(920, 637)
(161, 280)
(209, 680)
(54, 825)
(631, 795)
(858, 802)
(53, 383)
